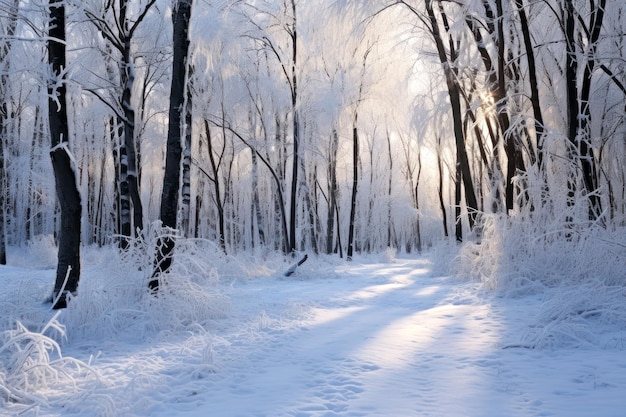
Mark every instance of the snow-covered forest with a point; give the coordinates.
(188, 141)
(437, 118)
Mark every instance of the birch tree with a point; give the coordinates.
(118, 28)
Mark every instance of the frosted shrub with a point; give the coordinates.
(34, 372)
(189, 295)
(118, 304)
(581, 315)
(581, 269)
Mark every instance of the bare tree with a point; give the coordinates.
(355, 153)
(119, 34)
(578, 105)
(287, 59)
(448, 58)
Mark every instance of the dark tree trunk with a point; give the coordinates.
(502, 110)
(3, 175)
(533, 83)
(418, 231)
(3, 250)
(389, 188)
(216, 186)
(332, 191)
(68, 267)
(293, 206)
(171, 179)
(578, 111)
(585, 152)
(571, 84)
(442, 204)
(355, 183)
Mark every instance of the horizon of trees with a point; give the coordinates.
(390, 125)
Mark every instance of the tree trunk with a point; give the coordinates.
(332, 191)
(389, 188)
(256, 200)
(293, 206)
(355, 183)
(3, 174)
(185, 211)
(442, 204)
(533, 83)
(418, 231)
(578, 112)
(68, 267)
(585, 151)
(502, 110)
(3, 249)
(310, 209)
(171, 179)
(216, 187)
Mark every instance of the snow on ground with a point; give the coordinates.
(366, 338)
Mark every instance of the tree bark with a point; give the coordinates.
(185, 212)
(3, 249)
(442, 204)
(533, 83)
(332, 191)
(293, 205)
(68, 267)
(171, 178)
(389, 188)
(355, 184)
(585, 151)
(216, 186)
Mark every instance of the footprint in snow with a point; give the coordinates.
(333, 385)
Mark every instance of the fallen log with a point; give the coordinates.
(293, 267)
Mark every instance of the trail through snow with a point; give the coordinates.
(360, 339)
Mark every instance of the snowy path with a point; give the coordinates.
(360, 339)
(390, 340)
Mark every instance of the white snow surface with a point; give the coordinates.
(378, 336)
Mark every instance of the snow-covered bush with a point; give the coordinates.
(581, 269)
(33, 372)
(114, 300)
